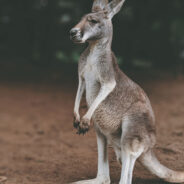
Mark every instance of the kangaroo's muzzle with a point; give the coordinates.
(76, 35)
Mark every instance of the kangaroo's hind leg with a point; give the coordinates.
(129, 158)
(103, 165)
(134, 141)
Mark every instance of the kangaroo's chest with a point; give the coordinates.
(91, 77)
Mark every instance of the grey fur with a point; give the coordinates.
(120, 109)
(99, 4)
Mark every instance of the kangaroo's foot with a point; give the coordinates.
(99, 180)
(3, 178)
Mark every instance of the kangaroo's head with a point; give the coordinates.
(97, 24)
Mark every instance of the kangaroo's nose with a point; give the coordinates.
(74, 31)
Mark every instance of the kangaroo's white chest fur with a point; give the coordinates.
(91, 77)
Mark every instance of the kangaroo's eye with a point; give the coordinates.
(93, 21)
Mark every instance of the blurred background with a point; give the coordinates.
(38, 81)
(146, 33)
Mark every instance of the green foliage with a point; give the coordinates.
(142, 64)
(61, 56)
(147, 33)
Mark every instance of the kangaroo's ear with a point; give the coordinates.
(99, 5)
(114, 7)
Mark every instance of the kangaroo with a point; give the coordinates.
(119, 108)
(3, 179)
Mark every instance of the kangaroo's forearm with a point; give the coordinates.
(105, 90)
(80, 91)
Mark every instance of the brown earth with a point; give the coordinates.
(39, 144)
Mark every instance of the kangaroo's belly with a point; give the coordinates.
(108, 115)
(108, 118)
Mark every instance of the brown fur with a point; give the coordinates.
(124, 117)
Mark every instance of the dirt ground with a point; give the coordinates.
(40, 146)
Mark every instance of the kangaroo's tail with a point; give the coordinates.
(150, 161)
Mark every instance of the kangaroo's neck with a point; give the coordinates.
(101, 47)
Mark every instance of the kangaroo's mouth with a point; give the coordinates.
(77, 40)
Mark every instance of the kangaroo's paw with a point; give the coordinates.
(83, 126)
(76, 121)
(94, 181)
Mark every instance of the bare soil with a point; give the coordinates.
(39, 144)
